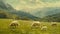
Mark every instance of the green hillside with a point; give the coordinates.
(4, 14)
(52, 18)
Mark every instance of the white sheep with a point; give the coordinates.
(54, 23)
(44, 28)
(14, 24)
(35, 24)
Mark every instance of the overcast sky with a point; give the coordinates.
(32, 4)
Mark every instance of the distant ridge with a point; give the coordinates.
(21, 14)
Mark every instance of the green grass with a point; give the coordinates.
(25, 28)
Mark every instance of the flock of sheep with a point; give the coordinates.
(36, 24)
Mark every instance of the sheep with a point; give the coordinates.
(53, 23)
(35, 24)
(14, 24)
(44, 28)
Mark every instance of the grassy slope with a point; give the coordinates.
(25, 28)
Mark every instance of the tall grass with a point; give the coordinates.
(25, 28)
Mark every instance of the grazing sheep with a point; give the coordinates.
(44, 28)
(35, 24)
(53, 23)
(14, 24)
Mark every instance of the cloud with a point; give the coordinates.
(50, 1)
(33, 4)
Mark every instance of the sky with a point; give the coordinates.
(29, 5)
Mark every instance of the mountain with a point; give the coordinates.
(52, 18)
(24, 15)
(5, 10)
(37, 14)
(21, 14)
(42, 12)
(5, 6)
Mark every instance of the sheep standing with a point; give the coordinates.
(53, 23)
(35, 24)
(14, 24)
(44, 28)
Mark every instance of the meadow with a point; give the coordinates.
(25, 28)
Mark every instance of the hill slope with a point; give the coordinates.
(52, 18)
(21, 14)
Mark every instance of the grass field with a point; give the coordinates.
(25, 28)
